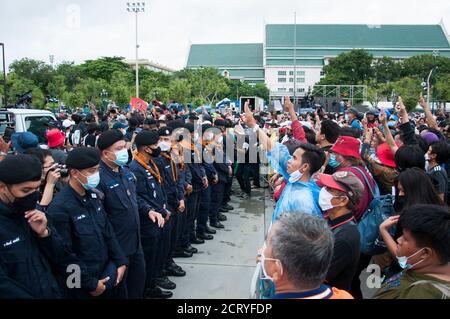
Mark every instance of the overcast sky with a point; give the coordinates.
(77, 30)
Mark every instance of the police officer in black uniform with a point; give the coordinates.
(174, 188)
(29, 246)
(118, 184)
(78, 215)
(203, 231)
(199, 182)
(152, 204)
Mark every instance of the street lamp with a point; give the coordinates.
(136, 7)
(104, 95)
(5, 98)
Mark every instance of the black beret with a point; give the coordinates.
(134, 122)
(206, 127)
(190, 127)
(220, 122)
(108, 138)
(146, 138)
(193, 116)
(83, 157)
(17, 169)
(150, 121)
(175, 124)
(165, 131)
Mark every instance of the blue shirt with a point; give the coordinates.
(298, 196)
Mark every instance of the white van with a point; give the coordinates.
(26, 120)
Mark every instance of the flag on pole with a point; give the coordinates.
(138, 104)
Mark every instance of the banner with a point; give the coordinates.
(138, 104)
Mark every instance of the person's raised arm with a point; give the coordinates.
(387, 132)
(251, 123)
(431, 121)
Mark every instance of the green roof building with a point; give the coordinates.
(309, 47)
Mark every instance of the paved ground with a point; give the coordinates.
(223, 267)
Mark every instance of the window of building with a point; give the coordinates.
(301, 90)
(322, 73)
(300, 80)
(281, 72)
(291, 73)
(291, 80)
(281, 89)
(291, 90)
(301, 73)
(281, 80)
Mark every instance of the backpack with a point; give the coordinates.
(379, 209)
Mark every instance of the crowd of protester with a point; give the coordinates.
(104, 205)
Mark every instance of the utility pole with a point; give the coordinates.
(136, 7)
(295, 60)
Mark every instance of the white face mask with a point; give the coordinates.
(195, 137)
(295, 176)
(427, 162)
(220, 139)
(403, 260)
(164, 146)
(325, 198)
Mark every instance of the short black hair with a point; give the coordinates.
(441, 149)
(430, 227)
(408, 156)
(350, 131)
(331, 130)
(39, 153)
(309, 135)
(313, 156)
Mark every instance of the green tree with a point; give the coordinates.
(354, 67)
(386, 70)
(442, 89)
(74, 99)
(38, 72)
(71, 72)
(208, 84)
(420, 66)
(104, 68)
(57, 86)
(180, 91)
(409, 89)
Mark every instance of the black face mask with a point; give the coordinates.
(27, 203)
(155, 152)
(400, 203)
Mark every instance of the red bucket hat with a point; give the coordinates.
(385, 155)
(55, 138)
(347, 146)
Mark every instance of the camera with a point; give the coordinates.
(64, 171)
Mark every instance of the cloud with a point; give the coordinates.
(76, 30)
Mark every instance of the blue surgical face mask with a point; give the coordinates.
(121, 157)
(403, 261)
(332, 162)
(266, 283)
(92, 181)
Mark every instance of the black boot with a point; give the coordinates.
(197, 241)
(182, 254)
(205, 236)
(174, 271)
(210, 231)
(221, 217)
(191, 249)
(157, 293)
(165, 283)
(216, 225)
